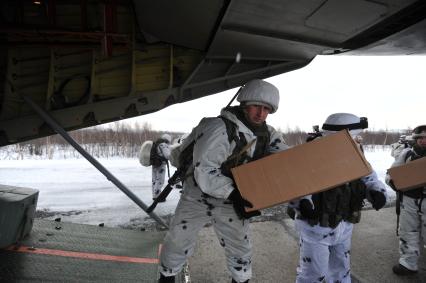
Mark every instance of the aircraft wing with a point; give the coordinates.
(89, 62)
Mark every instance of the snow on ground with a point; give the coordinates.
(381, 160)
(77, 187)
(79, 193)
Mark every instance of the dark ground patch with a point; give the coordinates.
(45, 213)
(276, 213)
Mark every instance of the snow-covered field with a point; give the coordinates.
(81, 194)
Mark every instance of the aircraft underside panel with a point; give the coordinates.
(92, 62)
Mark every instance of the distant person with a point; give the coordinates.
(239, 135)
(316, 133)
(358, 139)
(404, 142)
(412, 220)
(160, 154)
(325, 220)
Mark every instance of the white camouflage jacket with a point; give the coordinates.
(212, 148)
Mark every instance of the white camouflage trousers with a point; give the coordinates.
(324, 253)
(158, 176)
(192, 213)
(412, 230)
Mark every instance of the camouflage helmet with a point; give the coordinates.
(259, 92)
(419, 132)
(340, 121)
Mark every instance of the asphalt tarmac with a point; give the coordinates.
(275, 252)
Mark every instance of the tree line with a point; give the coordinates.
(369, 137)
(124, 140)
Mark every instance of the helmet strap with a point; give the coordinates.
(363, 124)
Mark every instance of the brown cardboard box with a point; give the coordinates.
(302, 170)
(410, 175)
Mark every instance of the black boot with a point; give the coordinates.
(399, 269)
(166, 279)
(233, 281)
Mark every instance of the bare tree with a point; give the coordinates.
(121, 139)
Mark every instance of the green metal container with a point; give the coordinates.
(17, 209)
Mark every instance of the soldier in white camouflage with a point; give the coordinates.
(412, 218)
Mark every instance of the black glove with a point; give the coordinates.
(239, 203)
(306, 209)
(378, 199)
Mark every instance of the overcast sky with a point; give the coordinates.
(389, 91)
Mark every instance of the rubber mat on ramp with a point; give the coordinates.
(57, 251)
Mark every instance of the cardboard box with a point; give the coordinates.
(302, 170)
(17, 209)
(409, 175)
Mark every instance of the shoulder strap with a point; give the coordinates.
(155, 158)
(409, 154)
(153, 152)
(239, 139)
(231, 128)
